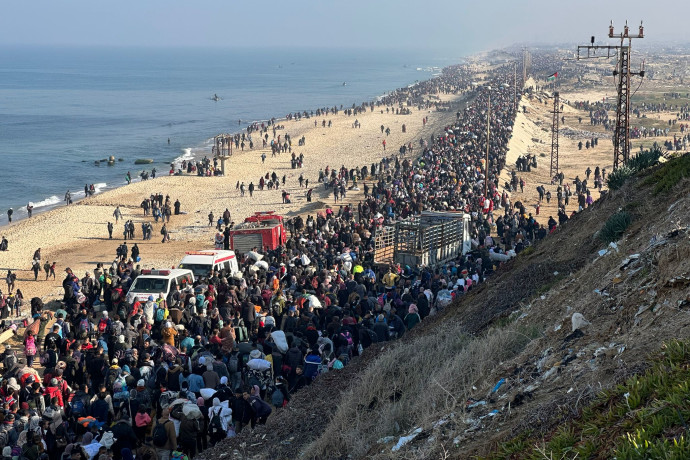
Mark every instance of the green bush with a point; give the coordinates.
(618, 177)
(639, 162)
(666, 177)
(615, 226)
(645, 159)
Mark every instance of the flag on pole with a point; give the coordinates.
(552, 77)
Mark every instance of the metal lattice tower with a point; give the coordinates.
(554, 135)
(621, 136)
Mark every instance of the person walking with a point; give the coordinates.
(164, 232)
(117, 214)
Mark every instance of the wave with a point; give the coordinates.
(50, 201)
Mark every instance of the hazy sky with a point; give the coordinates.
(441, 25)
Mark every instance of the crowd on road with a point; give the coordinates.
(171, 375)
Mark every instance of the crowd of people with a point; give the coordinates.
(174, 374)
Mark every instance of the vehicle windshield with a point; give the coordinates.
(150, 285)
(199, 270)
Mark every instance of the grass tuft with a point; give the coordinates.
(615, 226)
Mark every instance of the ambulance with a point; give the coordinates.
(201, 263)
(155, 282)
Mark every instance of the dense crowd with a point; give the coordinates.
(173, 375)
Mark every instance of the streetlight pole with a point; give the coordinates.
(488, 132)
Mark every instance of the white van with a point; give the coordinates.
(154, 282)
(201, 263)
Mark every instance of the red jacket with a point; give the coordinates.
(54, 392)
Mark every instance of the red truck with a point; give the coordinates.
(264, 230)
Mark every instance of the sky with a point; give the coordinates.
(441, 26)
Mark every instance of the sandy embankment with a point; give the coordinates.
(532, 135)
(76, 236)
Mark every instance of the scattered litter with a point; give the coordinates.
(542, 297)
(498, 385)
(603, 252)
(405, 439)
(441, 422)
(476, 404)
(532, 388)
(555, 273)
(600, 351)
(679, 281)
(549, 373)
(579, 321)
(570, 390)
(557, 327)
(628, 260)
(601, 293)
(613, 246)
(493, 413)
(642, 309)
(576, 334)
(386, 440)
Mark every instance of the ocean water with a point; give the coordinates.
(63, 108)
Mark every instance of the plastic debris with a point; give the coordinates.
(405, 439)
(613, 246)
(579, 321)
(476, 404)
(557, 328)
(498, 385)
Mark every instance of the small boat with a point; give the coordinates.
(216, 98)
(344, 83)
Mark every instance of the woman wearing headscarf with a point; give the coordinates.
(169, 333)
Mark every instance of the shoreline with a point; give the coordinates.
(196, 153)
(76, 235)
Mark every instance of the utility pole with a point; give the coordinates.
(488, 132)
(515, 86)
(621, 136)
(554, 135)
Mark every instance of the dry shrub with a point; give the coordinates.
(414, 384)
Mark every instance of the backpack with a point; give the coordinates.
(278, 398)
(160, 435)
(177, 455)
(78, 407)
(84, 328)
(160, 314)
(233, 364)
(215, 427)
(102, 326)
(347, 337)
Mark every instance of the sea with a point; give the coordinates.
(62, 109)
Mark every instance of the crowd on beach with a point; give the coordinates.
(171, 375)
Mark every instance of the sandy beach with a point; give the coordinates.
(76, 236)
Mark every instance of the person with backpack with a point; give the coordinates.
(164, 436)
(30, 348)
(220, 421)
(79, 405)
